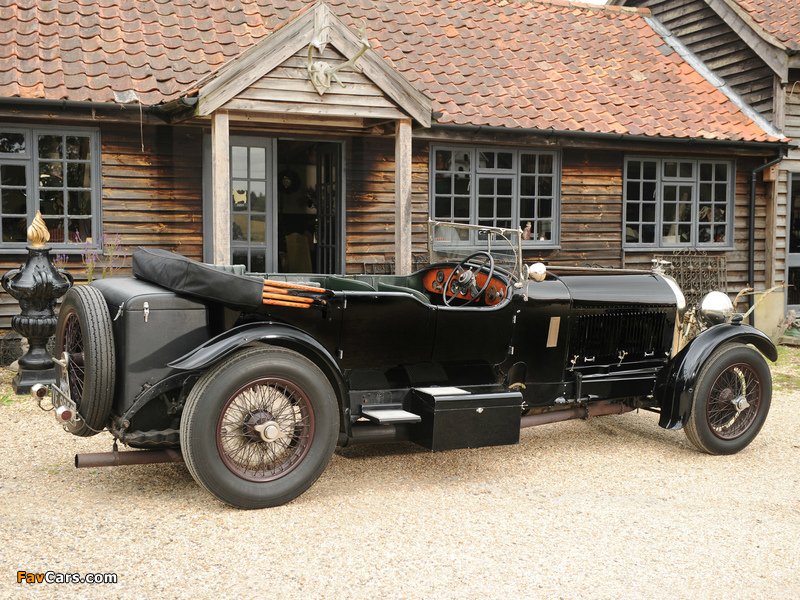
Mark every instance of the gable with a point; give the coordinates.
(288, 90)
(274, 76)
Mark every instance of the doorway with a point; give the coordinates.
(793, 254)
(286, 209)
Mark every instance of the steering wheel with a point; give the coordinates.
(466, 282)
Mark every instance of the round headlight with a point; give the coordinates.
(715, 308)
(537, 272)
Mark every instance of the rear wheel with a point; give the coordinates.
(731, 400)
(83, 332)
(259, 428)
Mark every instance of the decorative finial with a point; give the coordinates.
(38, 234)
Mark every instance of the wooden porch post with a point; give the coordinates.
(402, 182)
(221, 187)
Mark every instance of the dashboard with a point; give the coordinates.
(435, 279)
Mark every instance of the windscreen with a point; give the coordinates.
(454, 242)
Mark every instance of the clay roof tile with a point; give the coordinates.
(541, 64)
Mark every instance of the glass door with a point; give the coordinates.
(252, 204)
(793, 255)
(286, 209)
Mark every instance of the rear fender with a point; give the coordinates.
(675, 387)
(274, 334)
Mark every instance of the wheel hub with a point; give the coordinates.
(740, 404)
(255, 424)
(268, 431)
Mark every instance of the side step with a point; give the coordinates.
(384, 414)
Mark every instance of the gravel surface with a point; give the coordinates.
(608, 508)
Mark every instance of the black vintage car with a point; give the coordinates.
(257, 378)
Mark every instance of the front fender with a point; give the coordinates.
(277, 334)
(675, 387)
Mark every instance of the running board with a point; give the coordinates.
(385, 414)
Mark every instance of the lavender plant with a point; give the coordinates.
(107, 256)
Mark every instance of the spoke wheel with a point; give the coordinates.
(259, 428)
(84, 333)
(734, 401)
(731, 401)
(74, 347)
(265, 430)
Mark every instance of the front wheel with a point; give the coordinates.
(731, 400)
(259, 428)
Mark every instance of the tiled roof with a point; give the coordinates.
(780, 18)
(540, 65)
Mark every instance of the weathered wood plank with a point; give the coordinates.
(312, 97)
(301, 86)
(314, 109)
(221, 187)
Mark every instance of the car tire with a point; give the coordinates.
(83, 331)
(731, 400)
(260, 427)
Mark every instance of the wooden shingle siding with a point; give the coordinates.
(591, 209)
(154, 198)
(723, 51)
(792, 128)
(370, 203)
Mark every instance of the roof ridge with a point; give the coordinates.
(620, 10)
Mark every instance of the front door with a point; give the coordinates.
(328, 168)
(286, 209)
(793, 255)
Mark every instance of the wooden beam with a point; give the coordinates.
(333, 110)
(779, 103)
(221, 187)
(402, 222)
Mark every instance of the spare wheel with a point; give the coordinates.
(84, 332)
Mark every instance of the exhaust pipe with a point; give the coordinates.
(375, 434)
(579, 412)
(119, 459)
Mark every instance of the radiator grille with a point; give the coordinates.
(638, 332)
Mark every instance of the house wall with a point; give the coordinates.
(154, 198)
(370, 202)
(149, 198)
(591, 210)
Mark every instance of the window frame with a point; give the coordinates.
(30, 159)
(661, 181)
(514, 173)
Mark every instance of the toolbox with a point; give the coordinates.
(458, 418)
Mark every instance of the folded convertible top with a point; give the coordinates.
(242, 292)
(183, 275)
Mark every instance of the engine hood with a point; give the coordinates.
(593, 291)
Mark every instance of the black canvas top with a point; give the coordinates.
(183, 275)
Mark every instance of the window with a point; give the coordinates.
(53, 171)
(498, 188)
(676, 203)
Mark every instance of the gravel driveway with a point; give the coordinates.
(608, 508)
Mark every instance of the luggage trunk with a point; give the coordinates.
(152, 326)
